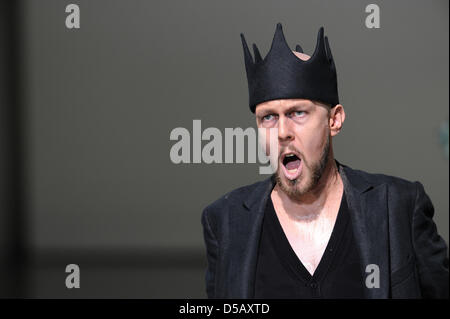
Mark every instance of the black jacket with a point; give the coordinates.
(391, 220)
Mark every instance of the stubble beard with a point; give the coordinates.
(292, 188)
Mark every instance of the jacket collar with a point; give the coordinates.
(260, 194)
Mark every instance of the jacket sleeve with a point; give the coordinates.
(430, 248)
(212, 248)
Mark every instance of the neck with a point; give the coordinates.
(310, 205)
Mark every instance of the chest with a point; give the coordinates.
(308, 229)
(308, 240)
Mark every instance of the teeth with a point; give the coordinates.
(289, 155)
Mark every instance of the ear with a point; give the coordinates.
(336, 120)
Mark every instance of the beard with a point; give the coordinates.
(292, 188)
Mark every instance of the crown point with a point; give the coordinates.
(319, 51)
(279, 28)
(321, 32)
(243, 39)
(256, 53)
(248, 56)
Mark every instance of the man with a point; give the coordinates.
(317, 228)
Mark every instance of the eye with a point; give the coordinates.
(298, 113)
(268, 117)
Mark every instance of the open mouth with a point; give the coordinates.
(291, 165)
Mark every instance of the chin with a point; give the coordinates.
(293, 188)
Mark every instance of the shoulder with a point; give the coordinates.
(402, 193)
(380, 178)
(404, 198)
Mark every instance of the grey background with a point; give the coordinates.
(101, 101)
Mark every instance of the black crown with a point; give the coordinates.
(282, 75)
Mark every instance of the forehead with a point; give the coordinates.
(283, 105)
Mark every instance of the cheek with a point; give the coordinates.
(312, 142)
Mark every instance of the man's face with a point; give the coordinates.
(303, 141)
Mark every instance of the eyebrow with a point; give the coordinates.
(295, 106)
(292, 107)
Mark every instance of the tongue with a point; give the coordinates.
(293, 164)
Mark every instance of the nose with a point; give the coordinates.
(285, 133)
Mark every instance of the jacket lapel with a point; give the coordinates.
(369, 213)
(247, 226)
